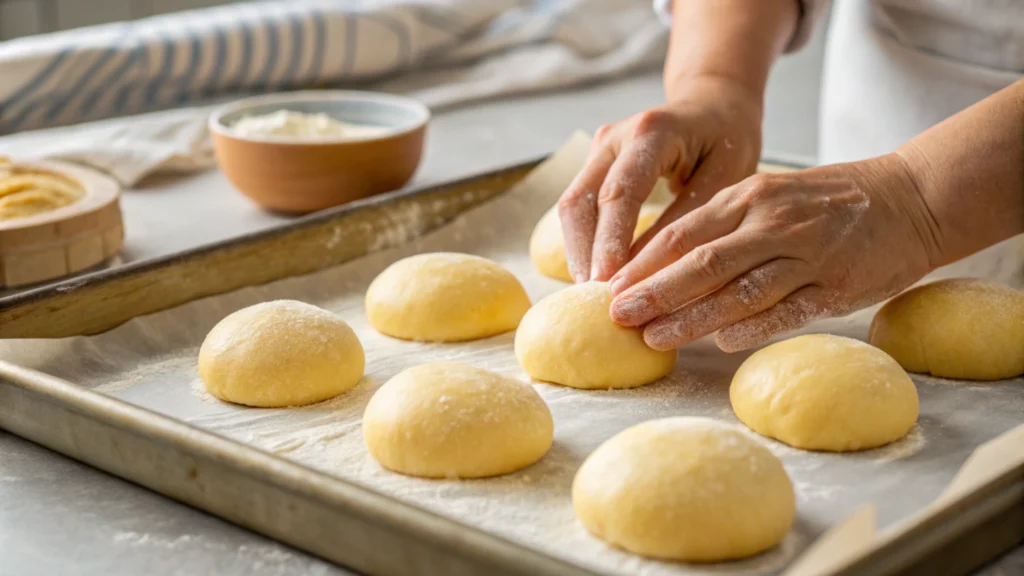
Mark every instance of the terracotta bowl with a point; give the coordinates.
(293, 175)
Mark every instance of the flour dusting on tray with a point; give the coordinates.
(150, 362)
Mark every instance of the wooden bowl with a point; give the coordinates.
(68, 239)
(289, 174)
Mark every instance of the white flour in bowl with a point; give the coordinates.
(290, 124)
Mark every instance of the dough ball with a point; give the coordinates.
(445, 297)
(961, 328)
(569, 338)
(281, 353)
(547, 246)
(688, 489)
(824, 392)
(452, 420)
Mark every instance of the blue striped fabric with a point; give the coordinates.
(171, 60)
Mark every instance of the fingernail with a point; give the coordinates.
(617, 285)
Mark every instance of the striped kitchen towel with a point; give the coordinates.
(442, 52)
(171, 60)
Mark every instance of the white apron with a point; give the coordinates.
(877, 94)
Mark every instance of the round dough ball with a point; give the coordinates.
(569, 338)
(824, 392)
(280, 353)
(445, 297)
(452, 420)
(961, 328)
(547, 246)
(688, 489)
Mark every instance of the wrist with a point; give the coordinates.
(723, 93)
(902, 183)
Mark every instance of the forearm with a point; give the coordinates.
(969, 172)
(727, 41)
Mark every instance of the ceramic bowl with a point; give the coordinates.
(289, 174)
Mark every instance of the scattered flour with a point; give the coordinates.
(807, 491)
(158, 366)
(905, 447)
(248, 556)
(140, 539)
(531, 507)
(199, 390)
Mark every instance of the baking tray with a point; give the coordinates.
(345, 522)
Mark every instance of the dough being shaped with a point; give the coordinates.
(688, 489)
(280, 353)
(452, 420)
(961, 328)
(824, 392)
(569, 338)
(445, 297)
(547, 246)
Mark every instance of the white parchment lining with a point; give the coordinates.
(150, 362)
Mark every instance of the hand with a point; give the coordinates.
(708, 138)
(774, 252)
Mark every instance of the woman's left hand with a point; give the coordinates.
(776, 251)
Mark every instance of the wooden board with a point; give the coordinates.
(66, 240)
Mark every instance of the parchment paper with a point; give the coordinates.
(150, 362)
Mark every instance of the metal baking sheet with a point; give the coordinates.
(150, 363)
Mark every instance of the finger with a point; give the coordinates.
(695, 227)
(692, 230)
(709, 177)
(792, 312)
(701, 271)
(682, 206)
(629, 182)
(577, 210)
(702, 226)
(745, 296)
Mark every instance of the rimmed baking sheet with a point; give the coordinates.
(150, 362)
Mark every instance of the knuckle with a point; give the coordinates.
(650, 121)
(618, 193)
(570, 202)
(814, 258)
(751, 292)
(708, 264)
(675, 238)
(784, 216)
(759, 187)
(611, 192)
(603, 132)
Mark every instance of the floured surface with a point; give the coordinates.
(151, 362)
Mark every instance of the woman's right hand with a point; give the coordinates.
(707, 138)
(776, 251)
